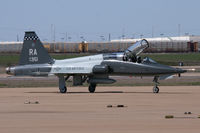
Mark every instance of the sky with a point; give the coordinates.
(94, 20)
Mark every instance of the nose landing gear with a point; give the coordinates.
(156, 88)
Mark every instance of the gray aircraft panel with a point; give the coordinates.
(130, 68)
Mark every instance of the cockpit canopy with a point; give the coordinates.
(131, 53)
(138, 47)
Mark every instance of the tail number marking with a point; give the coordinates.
(33, 59)
(33, 52)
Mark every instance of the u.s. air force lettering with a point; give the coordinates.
(69, 68)
(74, 68)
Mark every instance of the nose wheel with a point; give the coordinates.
(156, 88)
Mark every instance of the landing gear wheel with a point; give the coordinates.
(62, 85)
(92, 88)
(155, 89)
(63, 90)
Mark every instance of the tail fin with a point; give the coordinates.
(33, 51)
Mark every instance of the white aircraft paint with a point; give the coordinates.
(81, 65)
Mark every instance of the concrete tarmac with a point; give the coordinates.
(81, 112)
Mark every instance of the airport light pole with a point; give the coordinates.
(161, 41)
(66, 36)
(17, 38)
(123, 36)
(133, 36)
(186, 34)
(102, 38)
(69, 38)
(82, 37)
(62, 38)
(179, 29)
(109, 37)
(152, 34)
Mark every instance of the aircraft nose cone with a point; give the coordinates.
(179, 70)
(172, 70)
(8, 70)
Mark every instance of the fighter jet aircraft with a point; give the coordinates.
(95, 69)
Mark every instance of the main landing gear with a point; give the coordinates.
(92, 88)
(156, 88)
(62, 84)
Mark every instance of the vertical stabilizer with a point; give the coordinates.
(33, 51)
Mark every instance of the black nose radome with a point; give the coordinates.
(180, 70)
